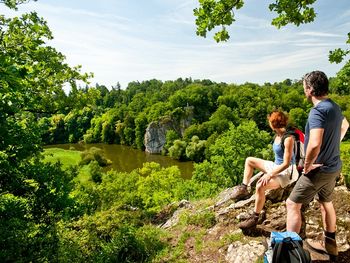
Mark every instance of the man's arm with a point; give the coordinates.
(344, 128)
(313, 149)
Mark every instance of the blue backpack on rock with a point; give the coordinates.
(286, 247)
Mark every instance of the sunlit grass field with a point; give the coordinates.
(67, 158)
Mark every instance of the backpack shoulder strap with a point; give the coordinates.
(276, 254)
(303, 256)
(296, 148)
(289, 132)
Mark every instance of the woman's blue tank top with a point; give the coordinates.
(279, 152)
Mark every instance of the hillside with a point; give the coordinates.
(207, 231)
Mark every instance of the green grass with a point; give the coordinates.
(66, 157)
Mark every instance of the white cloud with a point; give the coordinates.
(79, 12)
(250, 22)
(124, 48)
(345, 14)
(319, 34)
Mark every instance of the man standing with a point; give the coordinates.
(324, 130)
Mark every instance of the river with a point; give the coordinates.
(126, 158)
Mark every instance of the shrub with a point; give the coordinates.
(203, 219)
(109, 236)
(94, 154)
(95, 171)
(170, 137)
(177, 151)
(195, 149)
(131, 245)
(345, 156)
(158, 186)
(227, 156)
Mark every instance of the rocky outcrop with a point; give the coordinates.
(182, 205)
(155, 136)
(249, 246)
(275, 218)
(239, 252)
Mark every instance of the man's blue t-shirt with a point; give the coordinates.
(327, 115)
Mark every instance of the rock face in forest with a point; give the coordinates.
(155, 136)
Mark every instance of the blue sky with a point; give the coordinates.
(135, 40)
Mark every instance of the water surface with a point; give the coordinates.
(126, 158)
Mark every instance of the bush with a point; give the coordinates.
(345, 156)
(94, 154)
(194, 190)
(227, 156)
(203, 219)
(158, 186)
(124, 247)
(195, 149)
(14, 228)
(177, 151)
(95, 171)
(109, 236)
(170, 137)
(130, 245)
(88, 138)
(28, 218)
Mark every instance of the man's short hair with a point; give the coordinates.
(318, 82)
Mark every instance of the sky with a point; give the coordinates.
(136, 40)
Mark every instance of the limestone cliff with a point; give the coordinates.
(155, 136)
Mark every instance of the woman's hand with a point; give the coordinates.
(265, 179)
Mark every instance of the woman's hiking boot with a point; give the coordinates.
(326, 246)
(240, 192)
(250, 222)
(246, 215)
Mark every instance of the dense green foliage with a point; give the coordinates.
(194, 113)
(211, 14)
(77, 213)
(225, 163)
(33, 196)
(345, 156)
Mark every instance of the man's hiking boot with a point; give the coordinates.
(326, 246)
(240, 192)
(250, 222)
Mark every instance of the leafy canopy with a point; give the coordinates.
(33, 195)
(214, 13)
(13, 3)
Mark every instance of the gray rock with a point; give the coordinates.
(174, 220)
(155, 136)
(238, 252)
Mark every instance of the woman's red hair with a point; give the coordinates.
(278, 119)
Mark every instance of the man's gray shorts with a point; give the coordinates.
(312, 184)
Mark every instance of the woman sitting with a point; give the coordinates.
(279, 173)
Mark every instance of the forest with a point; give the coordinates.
(49, 214)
